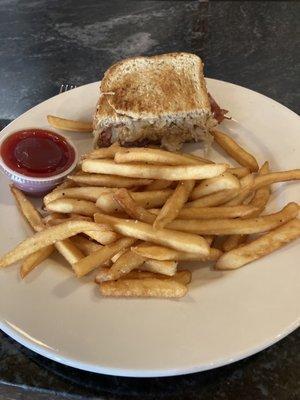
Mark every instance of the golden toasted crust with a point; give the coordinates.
(152, 87)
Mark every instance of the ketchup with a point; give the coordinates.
(37, 153)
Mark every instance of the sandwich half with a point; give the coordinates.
(154, 100)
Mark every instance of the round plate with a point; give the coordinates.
(224, 317)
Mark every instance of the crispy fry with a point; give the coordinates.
(46, 237)
(183, 276)
(32, 216)
(69, 250)
(233, 241)
(139, 230)
(259, 201)
(236, 226)
(214, 199)
(66, 205)
(118, 255)
(176, 173)
(64, 185)
(132, 208)
(85, 245)
(258, 248)
(154, 156)
(106, 236)
(124, 264)
(34, 259)
(239, 172)
(164, 267)
(69, 124)
(197, 158)
(90, 193)
(159, 184)
(51, 219)
(112, 181)
(262, 195)
(247, 183)
(65, 247)
(174, 204)
(221, 182)
(214, 212)
(101, 256)
(164, 253)
(146, 287)
(104, 152)
(57, 221)
(235, 151)
(282, 176)
(103, 237)
(155, 198)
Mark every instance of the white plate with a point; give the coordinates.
(224, 317)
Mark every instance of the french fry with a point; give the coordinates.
(64, 185)
(164, 253)
(247, 183)
(140, 230)
(106, 236)
(147, 287)
(45, 238)
(124, 264)
(85, 245)
(32, 216)
(236, 226)
(156, 198)
(262, 194)
(66, 205)
(164, 267)
(103, 152)
(282, 176)
(159, 184)
(235, 151)
(183, 276)
(103, 237)
(100, 257)
(221, 182)
(132, 208)
(69, 124)
(69, 250)
(212, 212)
(259, 201)
(118, 255)
(197, 158)
(154, 156)
(34, 259)
(55, 219)
(35, 220)
(176, 173)
(260, 247)
(90, 193)
(111, 181)
(233, 241)
(214, 199)
(239, 172)
(174, 204)
(59, 220)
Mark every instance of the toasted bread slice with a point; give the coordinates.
(161, 99)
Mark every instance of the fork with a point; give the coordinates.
(65, 88)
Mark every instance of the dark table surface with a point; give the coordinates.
(46, 43)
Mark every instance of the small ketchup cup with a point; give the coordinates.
(36, 160)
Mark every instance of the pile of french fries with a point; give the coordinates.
(133, 214)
